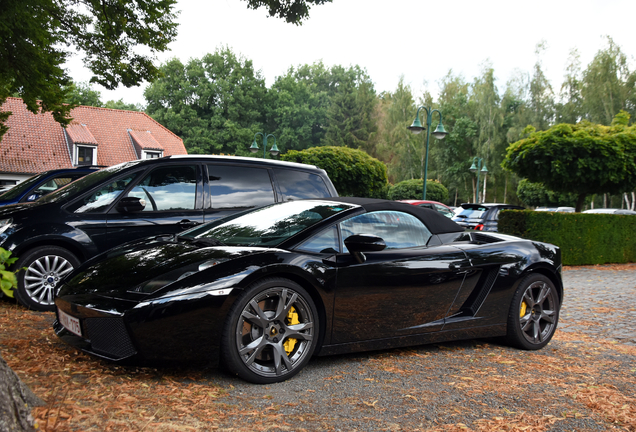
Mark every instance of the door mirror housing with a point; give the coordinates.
(359, 243)
(130, 205)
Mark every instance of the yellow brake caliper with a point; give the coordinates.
(522, 312)
(292, 319)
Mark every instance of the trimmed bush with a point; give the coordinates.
(584, 238)
(353, 172)
(412, 189)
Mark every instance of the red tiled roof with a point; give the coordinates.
(79, 134)
(145, 140)
(36, 143)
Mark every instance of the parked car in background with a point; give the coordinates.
(136, 199)
(433, 205)
(43, 184)
(556, 209)
(265, 290)
(482, 217)
(611, 211)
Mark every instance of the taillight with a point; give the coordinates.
(479, 227)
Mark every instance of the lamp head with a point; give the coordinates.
(254, 147)
(484, 169)
(440, 132)
(274, 150)
(473, 168)
(416, 127)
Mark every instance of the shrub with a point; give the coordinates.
(412, 189)
(8, 281)
(353, 172)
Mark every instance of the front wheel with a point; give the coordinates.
(45, 268)
(534, 313)
(271, 331)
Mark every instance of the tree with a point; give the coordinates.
(584, 158)
(608, 85)
(536, 195)
(214, 104)
(36, 37)
(292, 11)
(353, 172)
(570, 107)
(412, 190)
(82, 94)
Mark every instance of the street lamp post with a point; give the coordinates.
(439, 133)
(254, 147)
(478, 168)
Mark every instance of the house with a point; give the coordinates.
(96, 136)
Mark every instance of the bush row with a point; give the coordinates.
(584, 239)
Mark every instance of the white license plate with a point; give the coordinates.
(72, 324)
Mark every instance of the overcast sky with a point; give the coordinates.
(421, 40)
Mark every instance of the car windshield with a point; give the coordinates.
(20, 188)
(473, 213)
(266, 226)
(86, 182)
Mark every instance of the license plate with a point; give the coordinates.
(72, 324)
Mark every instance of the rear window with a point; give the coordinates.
(295, 185)
(473, 213)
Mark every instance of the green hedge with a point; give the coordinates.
(583, 238)
(412, 190)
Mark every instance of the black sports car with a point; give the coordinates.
(266, 289)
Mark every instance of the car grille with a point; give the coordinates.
(108, 336)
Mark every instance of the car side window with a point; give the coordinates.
(295, 185)
(398, 230)
(168, 188)
(102, 198)
(233, 187)
(51, 186)
(443, 210)
(324, 242)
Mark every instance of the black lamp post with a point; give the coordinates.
(439, 133)
(478, 169)
(254, 147)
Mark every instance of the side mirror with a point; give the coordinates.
(130, 205)
(359, 243)
(34, 197)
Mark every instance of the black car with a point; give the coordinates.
(137, 199)
(42, 184)
(265, 290)
(482, 217)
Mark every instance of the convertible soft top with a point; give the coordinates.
(436, 222)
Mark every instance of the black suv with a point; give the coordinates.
(42, 184)
(482, 217)
(137, 199)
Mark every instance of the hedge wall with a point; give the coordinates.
(583, 238)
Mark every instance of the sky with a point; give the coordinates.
(418, 40)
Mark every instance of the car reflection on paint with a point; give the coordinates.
(264, 290)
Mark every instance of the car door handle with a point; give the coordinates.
(188, 223)
(459, 269)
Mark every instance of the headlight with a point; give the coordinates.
(5, 224)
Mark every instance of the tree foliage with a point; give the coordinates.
(353, 172)
(536, 195)
(584, 158)
(215, 104)
(38, 36)
(412, 190)
(292, 11)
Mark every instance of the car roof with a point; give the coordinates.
(436, 222)
(477, 205)
(610, 210)
(412, 202)
(250, 160)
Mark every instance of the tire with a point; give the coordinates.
(534, 313)
(45, 267)
(271, 332)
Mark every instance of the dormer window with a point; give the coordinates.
(85, 155)
(151, 154)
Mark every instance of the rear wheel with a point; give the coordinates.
(45, 268)
(271, 331)
(534, 313)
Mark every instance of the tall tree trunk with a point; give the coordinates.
(16, 401)
(579, 203)
(505, 189)
(483, 196)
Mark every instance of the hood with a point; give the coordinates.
(145, 267)
(11, 210)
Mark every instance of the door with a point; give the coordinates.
(403, 290)
(172, 204)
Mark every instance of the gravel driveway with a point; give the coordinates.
(584, 380)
